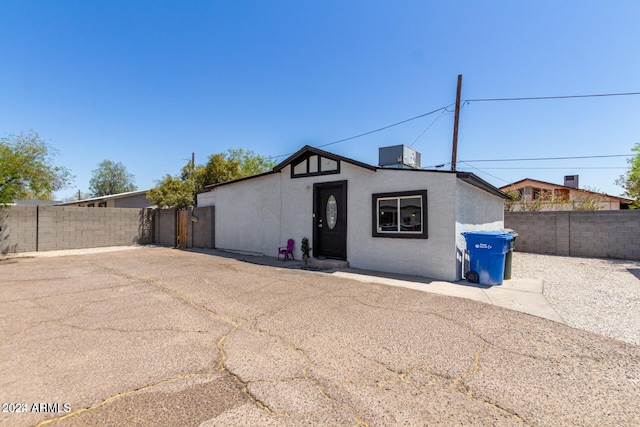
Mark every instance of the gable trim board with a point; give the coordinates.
(258, 214)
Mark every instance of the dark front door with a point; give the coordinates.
(330, 220)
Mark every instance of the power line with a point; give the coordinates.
(486, 173)
(465, 102)
(533, 98)
(385, 127)
(564, 167)
(374, 131)
(549, 158)
(428, 127)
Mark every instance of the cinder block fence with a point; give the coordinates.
(601, 234)
(46, 228)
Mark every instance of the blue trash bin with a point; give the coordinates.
(487, 251)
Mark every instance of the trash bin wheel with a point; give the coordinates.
(472, 276)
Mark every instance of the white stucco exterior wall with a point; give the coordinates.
(248, 215)
(476, 210)
(432, 257)
(258, 215)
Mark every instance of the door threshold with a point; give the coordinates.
(329, 264)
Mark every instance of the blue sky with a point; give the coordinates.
(147, 83)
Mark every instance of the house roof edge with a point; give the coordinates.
(480, 183)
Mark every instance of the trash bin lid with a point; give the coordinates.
(495, 234)
(514, 233)
(495, 241)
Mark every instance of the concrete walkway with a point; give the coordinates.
(523, 295)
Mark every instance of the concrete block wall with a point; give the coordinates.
(201, 233)
(165, 227)
(611, 234)
(45, 228)
(18, 229)
(603, 234)
(75, 227)
(537, 231)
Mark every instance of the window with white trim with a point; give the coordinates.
(400, 214)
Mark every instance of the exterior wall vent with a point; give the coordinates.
(399, 157)
(571, 181)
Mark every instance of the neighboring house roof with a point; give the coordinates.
(307, 150)
(35, 202)
(550, 184)
(109, 197)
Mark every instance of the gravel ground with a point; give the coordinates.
(596, 295)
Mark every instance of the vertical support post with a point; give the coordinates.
(454, 151)
(193, 225)
(37, 225)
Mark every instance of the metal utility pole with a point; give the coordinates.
(454, 151)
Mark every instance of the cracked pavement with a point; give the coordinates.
(158, 336)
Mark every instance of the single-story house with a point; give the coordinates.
(394, 219)
(556, 197)
(130, 199)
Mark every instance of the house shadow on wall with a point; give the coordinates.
(5, 246)
(145, 227)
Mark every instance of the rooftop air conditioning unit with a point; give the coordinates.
(398, 156)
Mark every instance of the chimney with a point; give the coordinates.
(571, 181)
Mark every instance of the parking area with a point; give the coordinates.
(157, 336)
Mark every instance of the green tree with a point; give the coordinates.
(111, 178)
(180, 191)
(27, 169)
(631, 180)
(229, 165)
(173, 192)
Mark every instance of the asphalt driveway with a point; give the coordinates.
(157, 336)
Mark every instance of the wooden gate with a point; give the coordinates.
(182, 229)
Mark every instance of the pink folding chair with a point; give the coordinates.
(286, 250)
